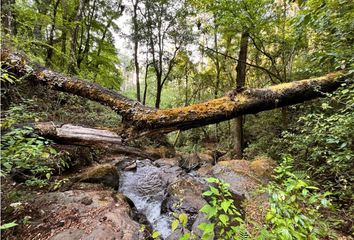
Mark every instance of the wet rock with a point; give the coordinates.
(185, 196)
(201, 218)
(125, 164)
(194, 161)
(146, 188)
(189, 161)
(205, 171)
(107, 217)
(170, 174)
(205, 159)
(167, 161)
(177, 234)
(106, 174)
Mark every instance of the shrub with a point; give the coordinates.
(25, 153)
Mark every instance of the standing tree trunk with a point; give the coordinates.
(145, 79)
(136, 48)
(50, 51)
(158, 91)
(240, 83)
(8, 17)
(85, 50)
(74, 37)
(66, 19)
(217, 67)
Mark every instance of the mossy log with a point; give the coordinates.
(141, 120)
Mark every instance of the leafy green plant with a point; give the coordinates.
(225, 219)
(25, 153)
(155, 234)
(294, 206)
(8, 225)
(8, 77)
(322, 143)
(182, 220)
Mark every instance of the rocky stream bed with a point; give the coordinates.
(113, 199)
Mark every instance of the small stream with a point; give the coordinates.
(146, 187)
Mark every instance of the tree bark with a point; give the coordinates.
(240, 83)
(50, 51)
(141, 120)
(74, 37)
(77, 135)
(136, 47)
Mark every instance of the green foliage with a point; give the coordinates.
(54, 33)
(155, 235)
(322, 143)
(8, 77)
(26, 153)
(294, 206)
(8, 225)
(181, 220)
(226, 221)
(331, 25)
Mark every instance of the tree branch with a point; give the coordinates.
(141, 120)
(249, 64)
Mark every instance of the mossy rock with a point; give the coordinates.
(106, 174)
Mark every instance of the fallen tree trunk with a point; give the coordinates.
(141, 120)
(77, 135)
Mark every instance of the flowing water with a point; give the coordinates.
(146, 187)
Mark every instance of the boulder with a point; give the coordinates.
(84, 215)
(239, 175)
(177, 234)
(226, 157)
(263, 167)
(205, 159)
(184, 196)
(205, 171)
(167, 161)
(189, 162)
(106, 174)
(201, 218)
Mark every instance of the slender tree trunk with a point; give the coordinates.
(74, 37)
(50, 51)
(136, 48)
(186, 91)
(83, 54)
(240, 83)
(158, 92)
(217, 63)
(8, 17)
(42, 7)
(217, 67)
(145, 81)
(64, 36)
